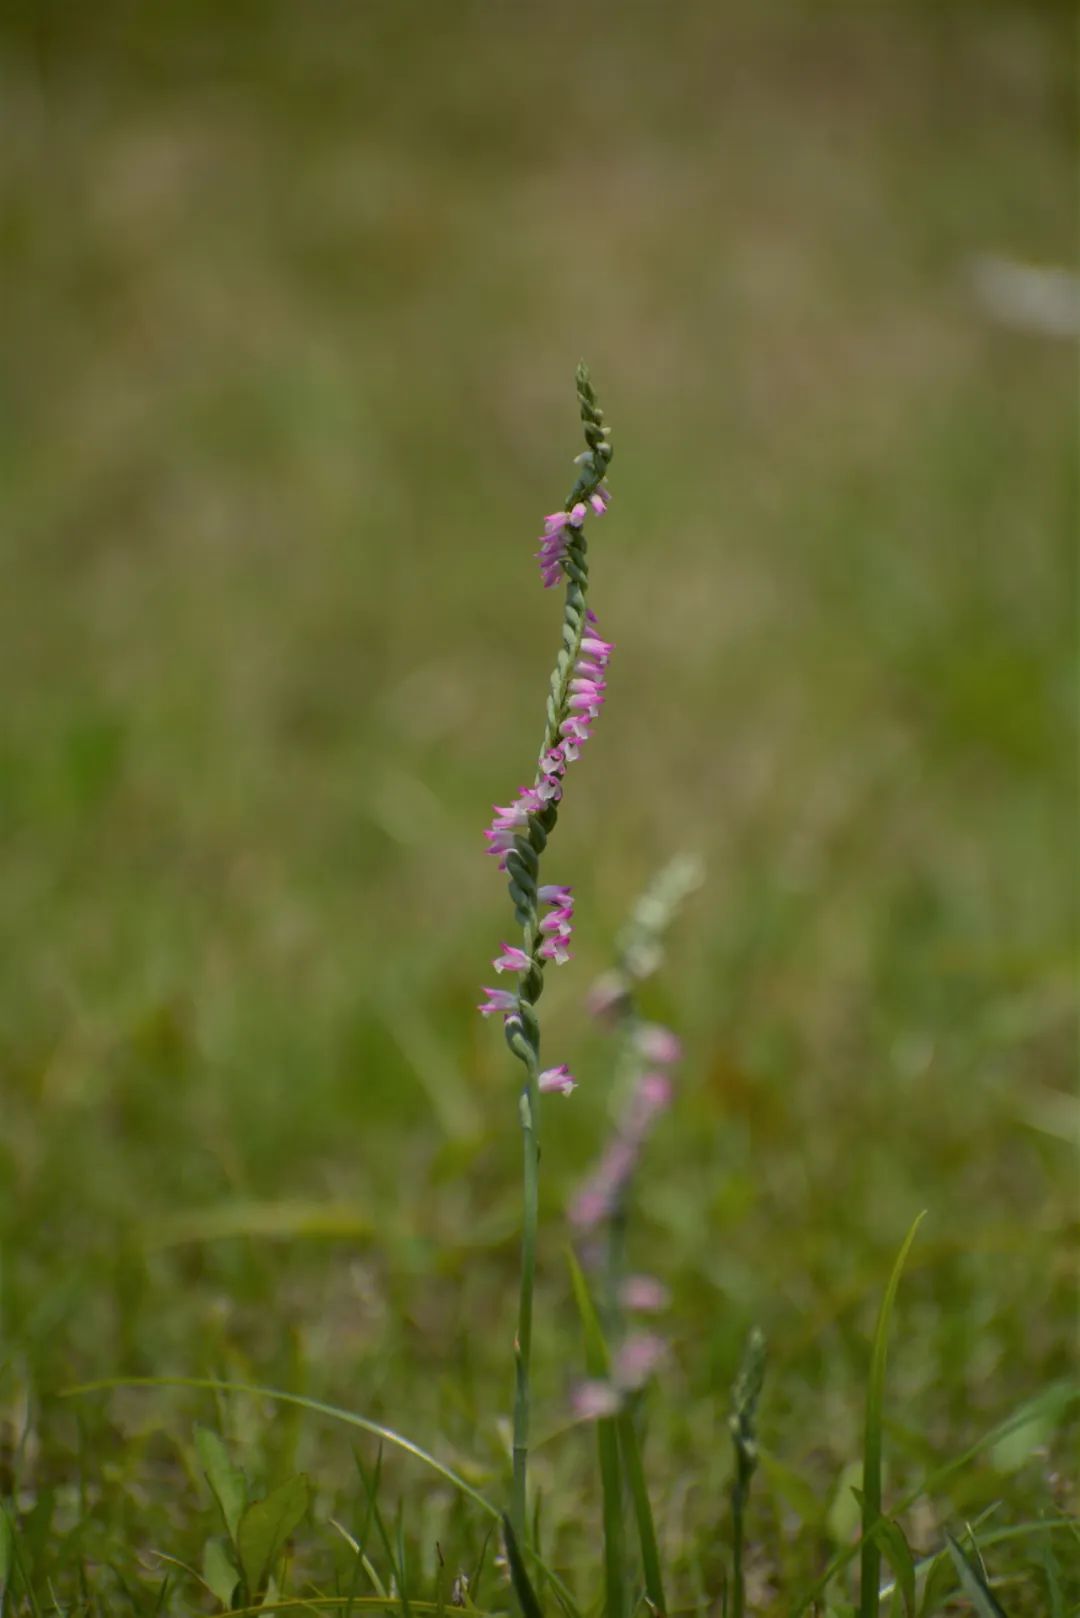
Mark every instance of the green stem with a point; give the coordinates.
(738, 1583)
(745, 1395)
(523, 1341)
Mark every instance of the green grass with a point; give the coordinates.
(294, 297)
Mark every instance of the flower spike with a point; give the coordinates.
(517, 838)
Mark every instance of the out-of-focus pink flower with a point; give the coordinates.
(592, 1401)
(658, 1044)
(653, 1095)
(645, 1294)
(637, 1359)
(599, 1196)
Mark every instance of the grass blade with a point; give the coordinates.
(371, 1490)
(527, 1599)
(335, 1413)
(639, 1494)
(1054, 1401)
(607, 1442)
(893, 1542)
(870, 1560)
(972, 1582)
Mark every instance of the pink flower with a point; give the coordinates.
(550, 556)
(644, 1293)
(587, 696)
(500, 841)
(593, 646)
(637, 1359)
(652, 1095)
(504, 1000)
(658, 1044)
(554, 541)
(552, 763)
(559, 1080)
(599, 1197)
(635, 1362)
(593, 1400)
(590, 1207)
(512, 959)
(557, 926)
(600, 499)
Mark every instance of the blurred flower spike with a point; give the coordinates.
(635, 1362)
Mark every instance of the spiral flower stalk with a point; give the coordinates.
(518, 838)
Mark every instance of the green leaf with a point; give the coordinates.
(220, 1571)
(1013, 1451)
(527, 1598)
(228, 1483)
(265, 1527)
(972, 1582)
(844, 1513)
(890, 1537)
(598, 1365)
(870, 1560)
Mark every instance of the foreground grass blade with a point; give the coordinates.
(607, 1441)
(870, 1559)
(523, 1589)
(335, 1413)
(1053, 1403)
(972, 1582)
(639, 1494)
(890, 1536)
(374, 1514)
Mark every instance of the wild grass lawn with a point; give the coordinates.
(294, 299)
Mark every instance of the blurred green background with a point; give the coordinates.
(294, 295)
